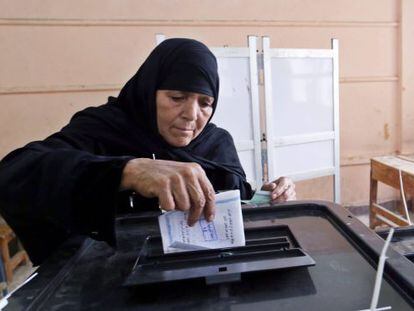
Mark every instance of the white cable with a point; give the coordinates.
(379, 309)
(403, 198)
(380, 272)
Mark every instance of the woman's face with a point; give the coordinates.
(181, 116)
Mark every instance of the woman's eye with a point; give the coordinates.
(177, 98)
(207, 104)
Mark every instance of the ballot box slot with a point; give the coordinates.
(267, 248)
(283, 241)
(278, 236)
(163, 263)
(219, 253)
(223, 255)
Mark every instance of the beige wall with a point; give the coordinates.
(57, 57)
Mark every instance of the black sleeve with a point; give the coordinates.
(231, 181)
(52, 189)
(231, 175)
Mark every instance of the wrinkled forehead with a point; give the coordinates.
(179, 93)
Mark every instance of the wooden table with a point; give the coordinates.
(386, 170)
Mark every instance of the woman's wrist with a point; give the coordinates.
(130, 172)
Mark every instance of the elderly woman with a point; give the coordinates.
(155, 140)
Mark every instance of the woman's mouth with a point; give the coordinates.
(183, 129)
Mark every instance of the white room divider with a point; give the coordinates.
(302, 113)
(239, 96)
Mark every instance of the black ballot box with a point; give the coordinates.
(298, 256)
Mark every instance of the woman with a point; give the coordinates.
(155, 139)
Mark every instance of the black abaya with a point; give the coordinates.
(68, 184)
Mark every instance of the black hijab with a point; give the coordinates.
(175, 64)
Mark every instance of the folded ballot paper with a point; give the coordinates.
(226, 230)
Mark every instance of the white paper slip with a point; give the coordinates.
(226, 230)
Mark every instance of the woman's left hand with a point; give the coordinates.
(282, 189)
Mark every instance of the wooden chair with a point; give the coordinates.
(10, 263)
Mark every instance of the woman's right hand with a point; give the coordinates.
(178, 186)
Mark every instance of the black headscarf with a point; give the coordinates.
(175, 64)
(68, 184)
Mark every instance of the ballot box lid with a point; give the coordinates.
(90, 275)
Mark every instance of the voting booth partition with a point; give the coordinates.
(302, 113)
(299, 134)
(238, 111)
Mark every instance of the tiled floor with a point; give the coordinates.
(364, 218)
(362, 212)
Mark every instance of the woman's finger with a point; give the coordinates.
(210, 196)
(197, 199)
(269, 186)
(194, 214)
(284, 191)
(180, 193)
(282, 185)
(289, 194)
(166, 199)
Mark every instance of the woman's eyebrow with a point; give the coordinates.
(209, 98)
(185, 93)
(176, 91)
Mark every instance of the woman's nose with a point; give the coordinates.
(190, 110)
